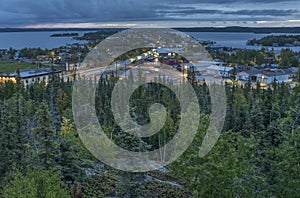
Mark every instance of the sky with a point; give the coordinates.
(145, 13)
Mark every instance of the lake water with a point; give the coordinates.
(236, 39)
(19, 40)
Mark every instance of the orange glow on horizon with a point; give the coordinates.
(167, 24)
(81, 25)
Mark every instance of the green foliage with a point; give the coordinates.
(36, 184)
(222, 171)
(288, 59)
(131, 188)
(100, 185)
(256, 155)
(33, 52)
(272, 40)
(8, 66)
(160, 189)
(47, 148)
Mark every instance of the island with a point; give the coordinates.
(99, 35)
(65, 35)
(277, 41)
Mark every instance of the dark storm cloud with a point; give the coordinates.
(67, 11)
(265, 12)
(25, 12)
(228, 1)
(271, 12)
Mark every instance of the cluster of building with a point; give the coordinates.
(30, 76)
(62, 59)
(157, 57)
(265, 75)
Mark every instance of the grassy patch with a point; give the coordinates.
(7, 66)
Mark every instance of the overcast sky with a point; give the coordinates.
(131, 13)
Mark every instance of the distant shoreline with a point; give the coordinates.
(276, 41)
(243, 29)
(56, 29)
(256, 30)
(65, 35)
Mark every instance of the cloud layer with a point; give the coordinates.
(16, 13)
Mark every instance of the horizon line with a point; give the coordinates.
(121, 27)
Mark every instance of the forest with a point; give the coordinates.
(285, 59)
(275, 41)
(65, 35)
(257, 154)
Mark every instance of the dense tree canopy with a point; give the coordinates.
(257, 154)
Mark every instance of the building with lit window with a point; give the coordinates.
(29, 76)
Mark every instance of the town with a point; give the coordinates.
(235, 66)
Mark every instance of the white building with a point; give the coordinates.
(29, 76)
(267, 76)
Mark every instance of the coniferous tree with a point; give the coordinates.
(47, 148)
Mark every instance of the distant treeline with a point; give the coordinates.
(281, 40)
(55, 29)
(264, 30)
(258, 30)
(65, 35)
(99, 35)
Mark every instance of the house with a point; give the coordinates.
(43, 58)
(243, 75)
(29, 76)
(293, 72)
(163, 52)
(266, 76)
(251, 75)
(222, 71)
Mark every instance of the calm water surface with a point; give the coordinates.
(19, 40)
(236, 39)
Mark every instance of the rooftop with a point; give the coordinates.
(27, 73)
(270, 72)
(220, 68)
